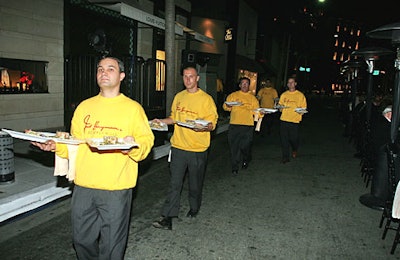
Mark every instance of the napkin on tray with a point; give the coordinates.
(396, 203)
(66, 166)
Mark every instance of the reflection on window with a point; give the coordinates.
(160, 70)
(160, 76)
(22, 76)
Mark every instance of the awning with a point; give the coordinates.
(196, 35)
(149, 19)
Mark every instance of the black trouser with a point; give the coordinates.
(100, 222)
(267, 122)
(289, 138)
(240, 138)
(194, 163)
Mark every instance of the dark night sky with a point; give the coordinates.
(373, 14)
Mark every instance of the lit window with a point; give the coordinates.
(334, 56)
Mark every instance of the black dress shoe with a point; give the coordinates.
(163, 223)
(245, 165)
(192, 213)
(234, 173)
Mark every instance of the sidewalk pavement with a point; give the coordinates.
(34, 184)
(306, 209)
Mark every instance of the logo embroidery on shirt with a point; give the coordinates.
(96, 127)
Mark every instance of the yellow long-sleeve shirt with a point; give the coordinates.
(292, 100)
(190, 106)
(244, 114)
(267, 96)
(97, 117)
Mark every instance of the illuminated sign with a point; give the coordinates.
(304, 69)
(228, 34)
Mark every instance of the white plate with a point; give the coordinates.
(189, 125)
(199, 121)
(68, 141)
(301, 110)
(280, 106)
(266, 110)
(42, 137)
(233, 103)
(158, 127)
(98, 143)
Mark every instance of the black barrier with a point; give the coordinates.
(7, 172)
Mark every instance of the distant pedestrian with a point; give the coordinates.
(189, 146)
(294, 105)
(102, 195)
(267, 96)
(241, 104)
(220, 97)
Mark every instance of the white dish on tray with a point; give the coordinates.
(233, 103)
(301, 110)
(266, 110)
(40, 137)
(98, 143)
(68, 141)
(189, 125)
(158, 126)
(198, 121)
(192, 125)
(280, 107)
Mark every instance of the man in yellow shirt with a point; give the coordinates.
(102, 196)
(291, 100)
(189, 146)
(241, 124)
(267, 96)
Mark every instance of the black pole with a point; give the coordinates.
(354, 91)
(369, 100)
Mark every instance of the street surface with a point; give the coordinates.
(305, 209)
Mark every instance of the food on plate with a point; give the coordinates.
(233, 103)
(31, 132)
(301, 110)
(63, 135)
(197, 123)
(110, 140)
(156, 124)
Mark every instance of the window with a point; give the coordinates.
(23, 76)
